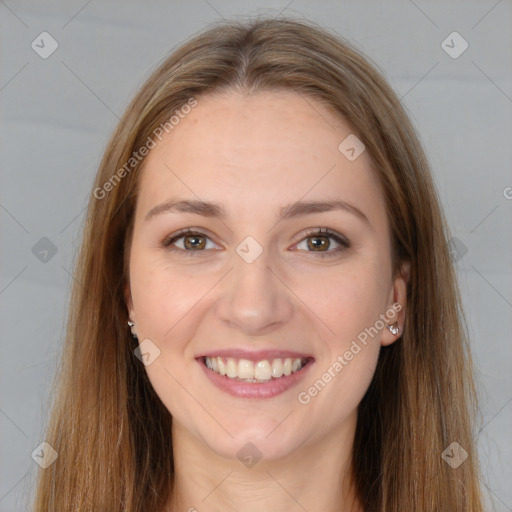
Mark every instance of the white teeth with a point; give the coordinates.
(221, 365)
(277, 368)
(287, 366)
(295, 365)
(244, 369)
(262, 370)
(231, 369)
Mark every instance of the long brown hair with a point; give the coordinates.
(110, 429)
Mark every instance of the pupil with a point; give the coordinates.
(194, 244)
(320, 244)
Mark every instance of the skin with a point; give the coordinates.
(254, 154)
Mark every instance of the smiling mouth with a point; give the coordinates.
(244, 370)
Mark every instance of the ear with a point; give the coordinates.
(128, 301)
(397, 304)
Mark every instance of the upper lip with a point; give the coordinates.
(255, 355)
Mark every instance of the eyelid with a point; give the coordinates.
(185, 232)
(342, 239)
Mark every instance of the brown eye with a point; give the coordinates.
(193, 241)
(319, 241)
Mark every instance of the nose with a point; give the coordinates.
(254, 297)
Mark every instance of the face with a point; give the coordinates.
(266, 285)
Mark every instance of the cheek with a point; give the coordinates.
(164, 303)
(350, 307)
(161, 297)
(169, 304)
(347, 301)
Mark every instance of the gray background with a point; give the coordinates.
(57, 114)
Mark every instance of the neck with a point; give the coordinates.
(316, 476)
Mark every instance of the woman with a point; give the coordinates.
(266, 314)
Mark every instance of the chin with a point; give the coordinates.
(261, 442)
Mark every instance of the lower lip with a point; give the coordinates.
(243, 389)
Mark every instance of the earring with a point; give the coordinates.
(394, 328)
(131, 324)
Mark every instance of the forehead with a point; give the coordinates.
(253, 151)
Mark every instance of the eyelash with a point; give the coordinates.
(344, 243)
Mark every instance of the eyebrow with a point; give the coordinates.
(297, 209)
